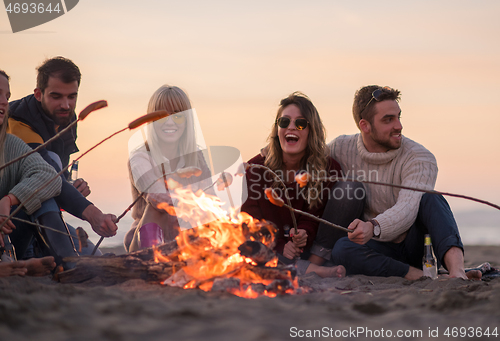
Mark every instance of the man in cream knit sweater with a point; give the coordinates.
(389, 240)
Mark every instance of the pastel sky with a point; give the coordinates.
(237, 59)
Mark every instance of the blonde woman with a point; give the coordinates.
(168, 144)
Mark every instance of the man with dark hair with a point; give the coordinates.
(389, 240)
(38, 117)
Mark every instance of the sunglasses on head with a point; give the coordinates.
(284, 122)
(375, 96)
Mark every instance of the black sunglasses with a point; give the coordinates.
(375, 96)
(284, 122)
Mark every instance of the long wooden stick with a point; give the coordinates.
(430, 191)
(321, 220)
(289, 206)
(39, 225)
(128, 209)
(84, 113)
(134, 124)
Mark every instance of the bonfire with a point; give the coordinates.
(225, 251)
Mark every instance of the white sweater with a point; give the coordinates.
(410, 165)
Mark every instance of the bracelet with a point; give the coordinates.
(10, 200)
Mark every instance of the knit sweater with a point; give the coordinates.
(410, 165)
(259, 207)
(25, 176)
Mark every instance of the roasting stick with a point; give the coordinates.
(132, 125)
(430, 191)
(276, 200)
(289, 206)
(84, 113)
(42, 226)
(183, 173)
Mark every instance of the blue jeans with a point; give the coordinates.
(346, 203)
(386, 259)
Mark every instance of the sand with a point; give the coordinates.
(41, 309)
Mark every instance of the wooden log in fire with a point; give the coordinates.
(116, 269)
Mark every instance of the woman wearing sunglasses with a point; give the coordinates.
(296, 143)
(165, 146)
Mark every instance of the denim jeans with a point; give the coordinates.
(346, 203)
(386, 259)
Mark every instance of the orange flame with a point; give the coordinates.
(221, 233)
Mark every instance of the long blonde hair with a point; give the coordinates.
(3, 129)
(173, 100)
(314, 159)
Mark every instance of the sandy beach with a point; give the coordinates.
(353, 307)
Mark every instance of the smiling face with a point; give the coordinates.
(58, 100)
(4, 97)
(293, 142)
(384, 133)
(170, 128)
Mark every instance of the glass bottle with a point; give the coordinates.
(9, 252)
(74, 172)
(429, 262)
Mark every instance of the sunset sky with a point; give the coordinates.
(236, 60)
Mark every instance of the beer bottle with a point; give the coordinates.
(74, 172)
(429, 263)
(8, 252)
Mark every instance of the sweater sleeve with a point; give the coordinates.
(32, 173)
(70, 199)
(420, 173)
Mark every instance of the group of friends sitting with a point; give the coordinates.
(387, 224)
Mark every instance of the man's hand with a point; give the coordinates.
(82, 186)
(291, 251)
(299, 239)
(363, 231)
(102, 224)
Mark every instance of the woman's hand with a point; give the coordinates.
(299, 239)
(291, 251)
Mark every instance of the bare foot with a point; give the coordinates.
(13, 269)
(40, 266)
(474, 274)
(327, 271)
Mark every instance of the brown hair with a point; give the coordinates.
(314, 159)
(59, 67)
(363, 106)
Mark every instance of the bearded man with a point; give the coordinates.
(388, 240)
(38, 117)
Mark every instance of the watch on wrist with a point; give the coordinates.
(376, 228)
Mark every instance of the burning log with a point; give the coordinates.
(257, 252)
(116, 269)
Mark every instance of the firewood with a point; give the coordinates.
(267, 272)
(116, 269)
(257, 252)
